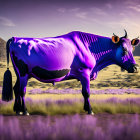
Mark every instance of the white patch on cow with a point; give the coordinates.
(22, 41)
(125, 46)
(40, 41)
(19, 46)
(47, 42)
(32, 44)
(53, 41)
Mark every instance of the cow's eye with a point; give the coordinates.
(125, 52)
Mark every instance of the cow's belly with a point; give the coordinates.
(45, 65)
(50, 68)
(45, 75)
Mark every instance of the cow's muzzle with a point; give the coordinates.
(134, 68)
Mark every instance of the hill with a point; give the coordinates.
(2, 49)
(137, 50)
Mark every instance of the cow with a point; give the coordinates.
(76, 55)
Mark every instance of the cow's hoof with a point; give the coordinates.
(90, 113)
(19, 113)
(26, 113)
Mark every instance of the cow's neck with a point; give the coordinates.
(102, 49)
(104, 61)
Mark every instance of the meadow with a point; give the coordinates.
(74, 127)
(60, 114)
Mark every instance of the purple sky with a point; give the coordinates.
(42, 18)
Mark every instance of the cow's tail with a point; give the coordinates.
(7, 90)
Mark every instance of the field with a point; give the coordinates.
(58, 110)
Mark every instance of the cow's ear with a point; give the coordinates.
(115, 39)
(135, 42)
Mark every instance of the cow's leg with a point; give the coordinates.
(85, 81)
(21, 70)
(17, 104)
(20, 90)
(23, 84)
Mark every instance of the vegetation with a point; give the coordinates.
(71, 128)
(52, 104)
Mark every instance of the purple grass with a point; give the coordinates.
(71, 128)
(92, 91)
(47, 102)
(10, 130)
(72, 91)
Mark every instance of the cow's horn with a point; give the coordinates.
(125, 34)
(114, 34)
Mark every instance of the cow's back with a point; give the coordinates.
(49, 53)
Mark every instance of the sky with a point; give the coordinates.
(48, 18)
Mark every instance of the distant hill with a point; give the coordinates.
(137, 50)
(2, 49)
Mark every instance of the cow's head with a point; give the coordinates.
(124, 52)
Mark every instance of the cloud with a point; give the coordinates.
(85, 15)
(95, 20)
(98, 11)
(78, 13)
(62, 10)
(6, 22)
(109, 6)
(81, 15)
(123, 23)
(123, 14)
(134, 5)
(135, 8)
(130, 2)
(74, 9)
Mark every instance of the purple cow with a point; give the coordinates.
(76, 55)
